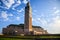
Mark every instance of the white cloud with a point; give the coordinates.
(13, 8)
(6, 19)
(18, 2)
(33, 19)
(42, 21)
(22, 9)
(25, 1)
(18, 18)
(42, 15)
(34, 10)
(10, 14)
(56, 18)
(8, 3)
(38, 19)
(4, 14)
(4, 7)
(55, 25)
(57, 11)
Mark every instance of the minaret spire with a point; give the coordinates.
(28, 19)
(28, 4)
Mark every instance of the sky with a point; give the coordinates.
(45, 13)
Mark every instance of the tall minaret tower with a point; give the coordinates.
(28, 19)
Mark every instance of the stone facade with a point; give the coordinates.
(14, 29)
(37, 30)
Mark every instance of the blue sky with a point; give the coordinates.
(45, 13)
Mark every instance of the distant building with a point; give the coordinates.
(26, 28)
(14, 29)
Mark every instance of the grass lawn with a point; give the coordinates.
(13, 39)
(26, 37)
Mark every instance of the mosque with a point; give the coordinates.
(27, 28)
